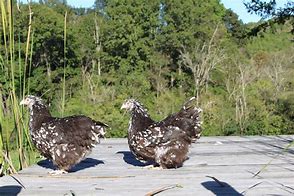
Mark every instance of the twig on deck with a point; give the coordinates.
(251, 187)
(282, 186)
(155, 192)
(18, 181)
(286, 187)
(266, 165)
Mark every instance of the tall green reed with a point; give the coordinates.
(14, 152)
(64, 67)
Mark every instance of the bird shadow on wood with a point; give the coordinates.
(220, 188)
(131, 159)
(86, 163)
(10, 190)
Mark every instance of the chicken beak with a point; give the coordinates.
(123, 106)
(23, 102)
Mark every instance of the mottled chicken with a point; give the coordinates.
(166, 142)
(65, 141)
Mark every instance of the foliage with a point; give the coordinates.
(159, 52)
(269, 9)
(235, 27)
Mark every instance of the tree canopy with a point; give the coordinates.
(160, 52)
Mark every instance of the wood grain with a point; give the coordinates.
(217, 166)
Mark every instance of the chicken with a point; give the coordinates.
(65, 141)
(165, 142)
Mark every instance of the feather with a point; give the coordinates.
(65, 141)
(165, 142)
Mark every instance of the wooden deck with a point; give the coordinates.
(217, 166)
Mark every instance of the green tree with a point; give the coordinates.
(185, 23)
(86, 31)
(128, 40)
(235, 27)
(130, 31)
(269, 10)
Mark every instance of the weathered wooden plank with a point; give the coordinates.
(112, 170)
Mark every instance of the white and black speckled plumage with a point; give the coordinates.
(65, 141)
(166, 142)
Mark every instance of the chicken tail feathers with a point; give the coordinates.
(101, 124)
(189, 103)
(191, 118)
(99, 129)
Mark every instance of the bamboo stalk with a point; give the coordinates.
(12, 110)
(64, 67)
(27, 49)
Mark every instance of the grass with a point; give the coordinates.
(16, 150)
